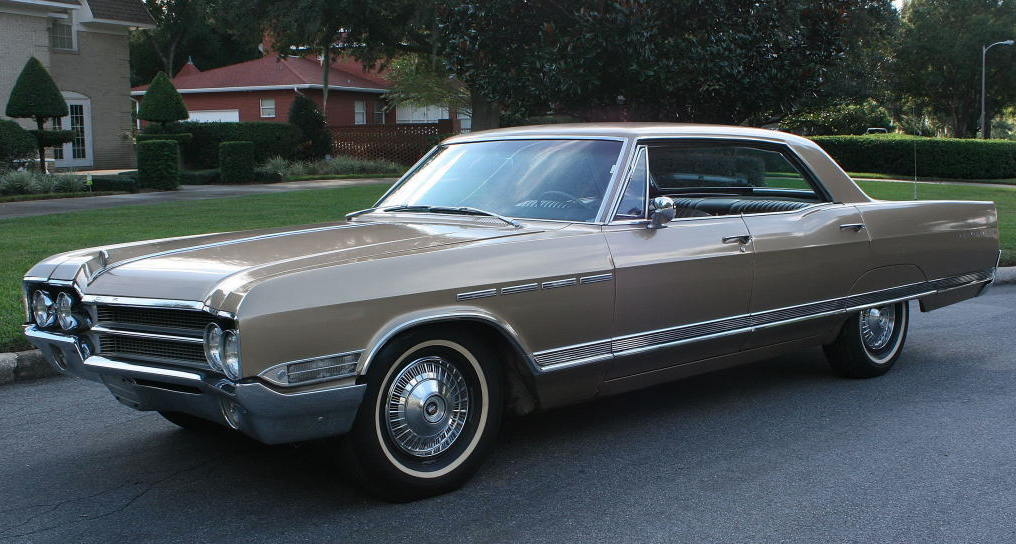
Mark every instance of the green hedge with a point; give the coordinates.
(202, 152)
(236, 162)
(179, 138)
(199, 177)
(158, 164)
(16, 144)
(936, 157)
(115, 183)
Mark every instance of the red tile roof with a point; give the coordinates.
(273, 71)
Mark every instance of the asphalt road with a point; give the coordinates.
(778, 451)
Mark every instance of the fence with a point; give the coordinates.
(404, 144)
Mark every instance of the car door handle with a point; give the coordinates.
(743, 239)
(856, 227)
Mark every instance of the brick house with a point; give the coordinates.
(263, 89)
(84, 44)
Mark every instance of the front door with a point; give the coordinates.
(78, 152)
(681, 292)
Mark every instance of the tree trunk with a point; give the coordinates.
(326, 68)
(40, 124)
(486, 114)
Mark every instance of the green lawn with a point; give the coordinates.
(25, 241)
(875, 175)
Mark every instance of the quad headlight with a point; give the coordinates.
(65, 312)
(222, 350)
(43, 308)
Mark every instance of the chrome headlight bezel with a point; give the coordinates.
(213, 346)
(65, 312)
(43, 308)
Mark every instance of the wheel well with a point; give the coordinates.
(520, 391)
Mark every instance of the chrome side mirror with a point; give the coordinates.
(661, 212)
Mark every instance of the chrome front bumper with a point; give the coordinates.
(264, 413)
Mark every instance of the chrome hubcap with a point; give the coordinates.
(427, 407)
(877, 326)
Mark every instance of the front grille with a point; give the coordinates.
(124, 332)
(149, 348)
(130, 317)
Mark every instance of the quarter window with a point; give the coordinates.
(633, 202)
(267, 107)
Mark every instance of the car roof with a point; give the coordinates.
(630, 131)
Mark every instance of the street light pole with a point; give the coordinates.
(984, 54)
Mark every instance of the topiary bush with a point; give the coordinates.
(202, 152)
(36, 96)
(179, 138)
(236, 162)
(162, 103)
(16, 144)
(115, 183)
(158, 164)
(936, 157)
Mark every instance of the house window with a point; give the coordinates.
(360, 112)
(379, 113)
(407, 113)
(61, 34)
(267, 107)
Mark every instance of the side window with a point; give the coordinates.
(728, 179)
(633, 202)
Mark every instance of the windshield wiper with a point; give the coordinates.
(465, 210)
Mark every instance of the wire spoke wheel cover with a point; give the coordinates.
(877, 327)
(427, 407)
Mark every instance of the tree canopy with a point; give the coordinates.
(317, 141)
(36, 96)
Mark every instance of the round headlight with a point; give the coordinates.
(231, 354)
(213, 346)
(65, 312)
(43, 309)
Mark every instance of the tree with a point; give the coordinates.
(424, 80)
(317, 140)
(36, 96)
(175, 21)
(162, 103)
(938, 61)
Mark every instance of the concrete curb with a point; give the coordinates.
(24, 365)
(27, 365)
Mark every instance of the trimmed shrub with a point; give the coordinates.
(178, 138)
(236, 162)
(199, 177)
(115, 183)
(16, 144)
(52, 138)
(158, 164)
(317, 140)
(936, 157)
(202, 152)
(162, 103)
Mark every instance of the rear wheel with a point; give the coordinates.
(870, 343)
(430, 414)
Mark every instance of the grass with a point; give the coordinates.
(875, 175)
(312, 177)
(25, 241)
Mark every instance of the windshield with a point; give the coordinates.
(536, 179)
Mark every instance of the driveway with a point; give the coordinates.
(186, 192)
(778, 451)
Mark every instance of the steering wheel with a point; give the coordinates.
(566, 198)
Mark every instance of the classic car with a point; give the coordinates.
(507, 272)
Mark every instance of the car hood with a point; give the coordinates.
(192, 268)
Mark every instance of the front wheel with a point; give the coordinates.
(430, 414)
(869, 343)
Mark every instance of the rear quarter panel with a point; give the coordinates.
(941, 238)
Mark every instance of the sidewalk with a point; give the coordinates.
(9, 210)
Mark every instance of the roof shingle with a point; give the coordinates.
(271, 70)
(127, 11)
